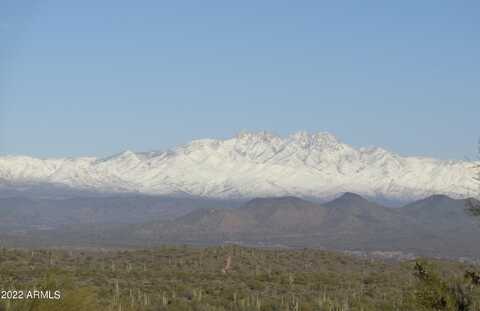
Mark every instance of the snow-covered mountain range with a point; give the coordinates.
(251, 165)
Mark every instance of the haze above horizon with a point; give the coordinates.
(90, 78)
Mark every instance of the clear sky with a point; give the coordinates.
(98, 77)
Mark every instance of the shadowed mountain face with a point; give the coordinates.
(445, 221)
(287, 214)
(351, 211)
(27, 213)
(349, 217)
(434, 226)
(440, 211)
(257, 217)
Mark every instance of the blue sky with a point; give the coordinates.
(97, 77)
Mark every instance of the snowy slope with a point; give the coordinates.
(251, 165)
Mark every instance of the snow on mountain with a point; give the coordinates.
(252, 165)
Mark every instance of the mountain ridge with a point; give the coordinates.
(349, 222)
(250, 165)
(435, 226)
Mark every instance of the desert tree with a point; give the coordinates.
(433, 292)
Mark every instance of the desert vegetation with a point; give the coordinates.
(234, 278)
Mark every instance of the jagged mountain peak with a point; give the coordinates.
(315, 139)
(121, 156)
(252, 164)
(127, 155)
(259, 135)
(303, 138)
